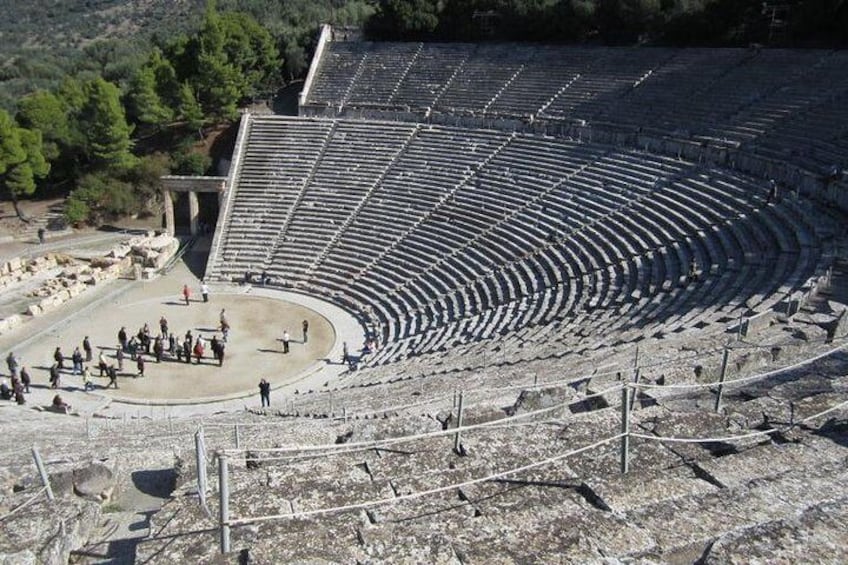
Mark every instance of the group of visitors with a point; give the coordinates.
(204, 292)
(81, 365)
(20, 381)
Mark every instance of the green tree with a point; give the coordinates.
(408, 19)
(250, 48)
(190, 109)
(167, 85)
(21, 160)
(44, 111)
(107, 132)
(145, 104)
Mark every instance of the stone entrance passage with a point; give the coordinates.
(210, 189)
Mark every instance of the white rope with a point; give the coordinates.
(297, 457)
(24, 504)
(350, 414)
(423, 493)
(823, 412)
(398, 408)
(738, 437)
(426, 435)
(702, 440)
(740, 379)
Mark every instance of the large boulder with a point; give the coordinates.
(95, 482)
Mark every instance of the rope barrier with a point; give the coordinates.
(741, 379)
(296, 457)
(729, 439)
(426, 435)
(26, 503)
(421, 494)
(822, 413)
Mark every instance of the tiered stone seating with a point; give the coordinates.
(776, 103)
(679, 502)
(437, 236)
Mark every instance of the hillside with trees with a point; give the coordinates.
(98, 99)
(659, 22)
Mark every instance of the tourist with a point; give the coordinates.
(132, 346)
(222, 320)
(25, 379)
(59, 358)
(305, 330)
(119, 354)
(198, 349)
(76, 360)
(55, 375)
(163, 326)
(220, 354)
(101, 363)
(86, 345)
(772, 192)
(186, 294)
(139, 363)
(13, 363)
(122, 338)
(187, 349)
(113, 376)
(5, 390)
(19, 393)
(158, 349)
(265, 393)
(87, 385)
(172, 344)
(41, 234)
(693, 270)
(345, 354)
(286, 339)
(60, 405)
(204, 290)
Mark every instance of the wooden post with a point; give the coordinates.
(224, 502)
(724, 357)
(457, 437)
(45, 478)
(344, 414)
(625, 429)
(535, 380)
(200, 458)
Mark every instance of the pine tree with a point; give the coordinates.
(190, 109)
(146, 105)
(107, 132)
(21, 160)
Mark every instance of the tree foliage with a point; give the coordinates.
(674, 22)
(21, 159)
(108, 142)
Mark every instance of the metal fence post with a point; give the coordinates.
(721, 377)
(200, 458)
(625, 429)
(224, 502)
(45, 479)
(457, 437)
